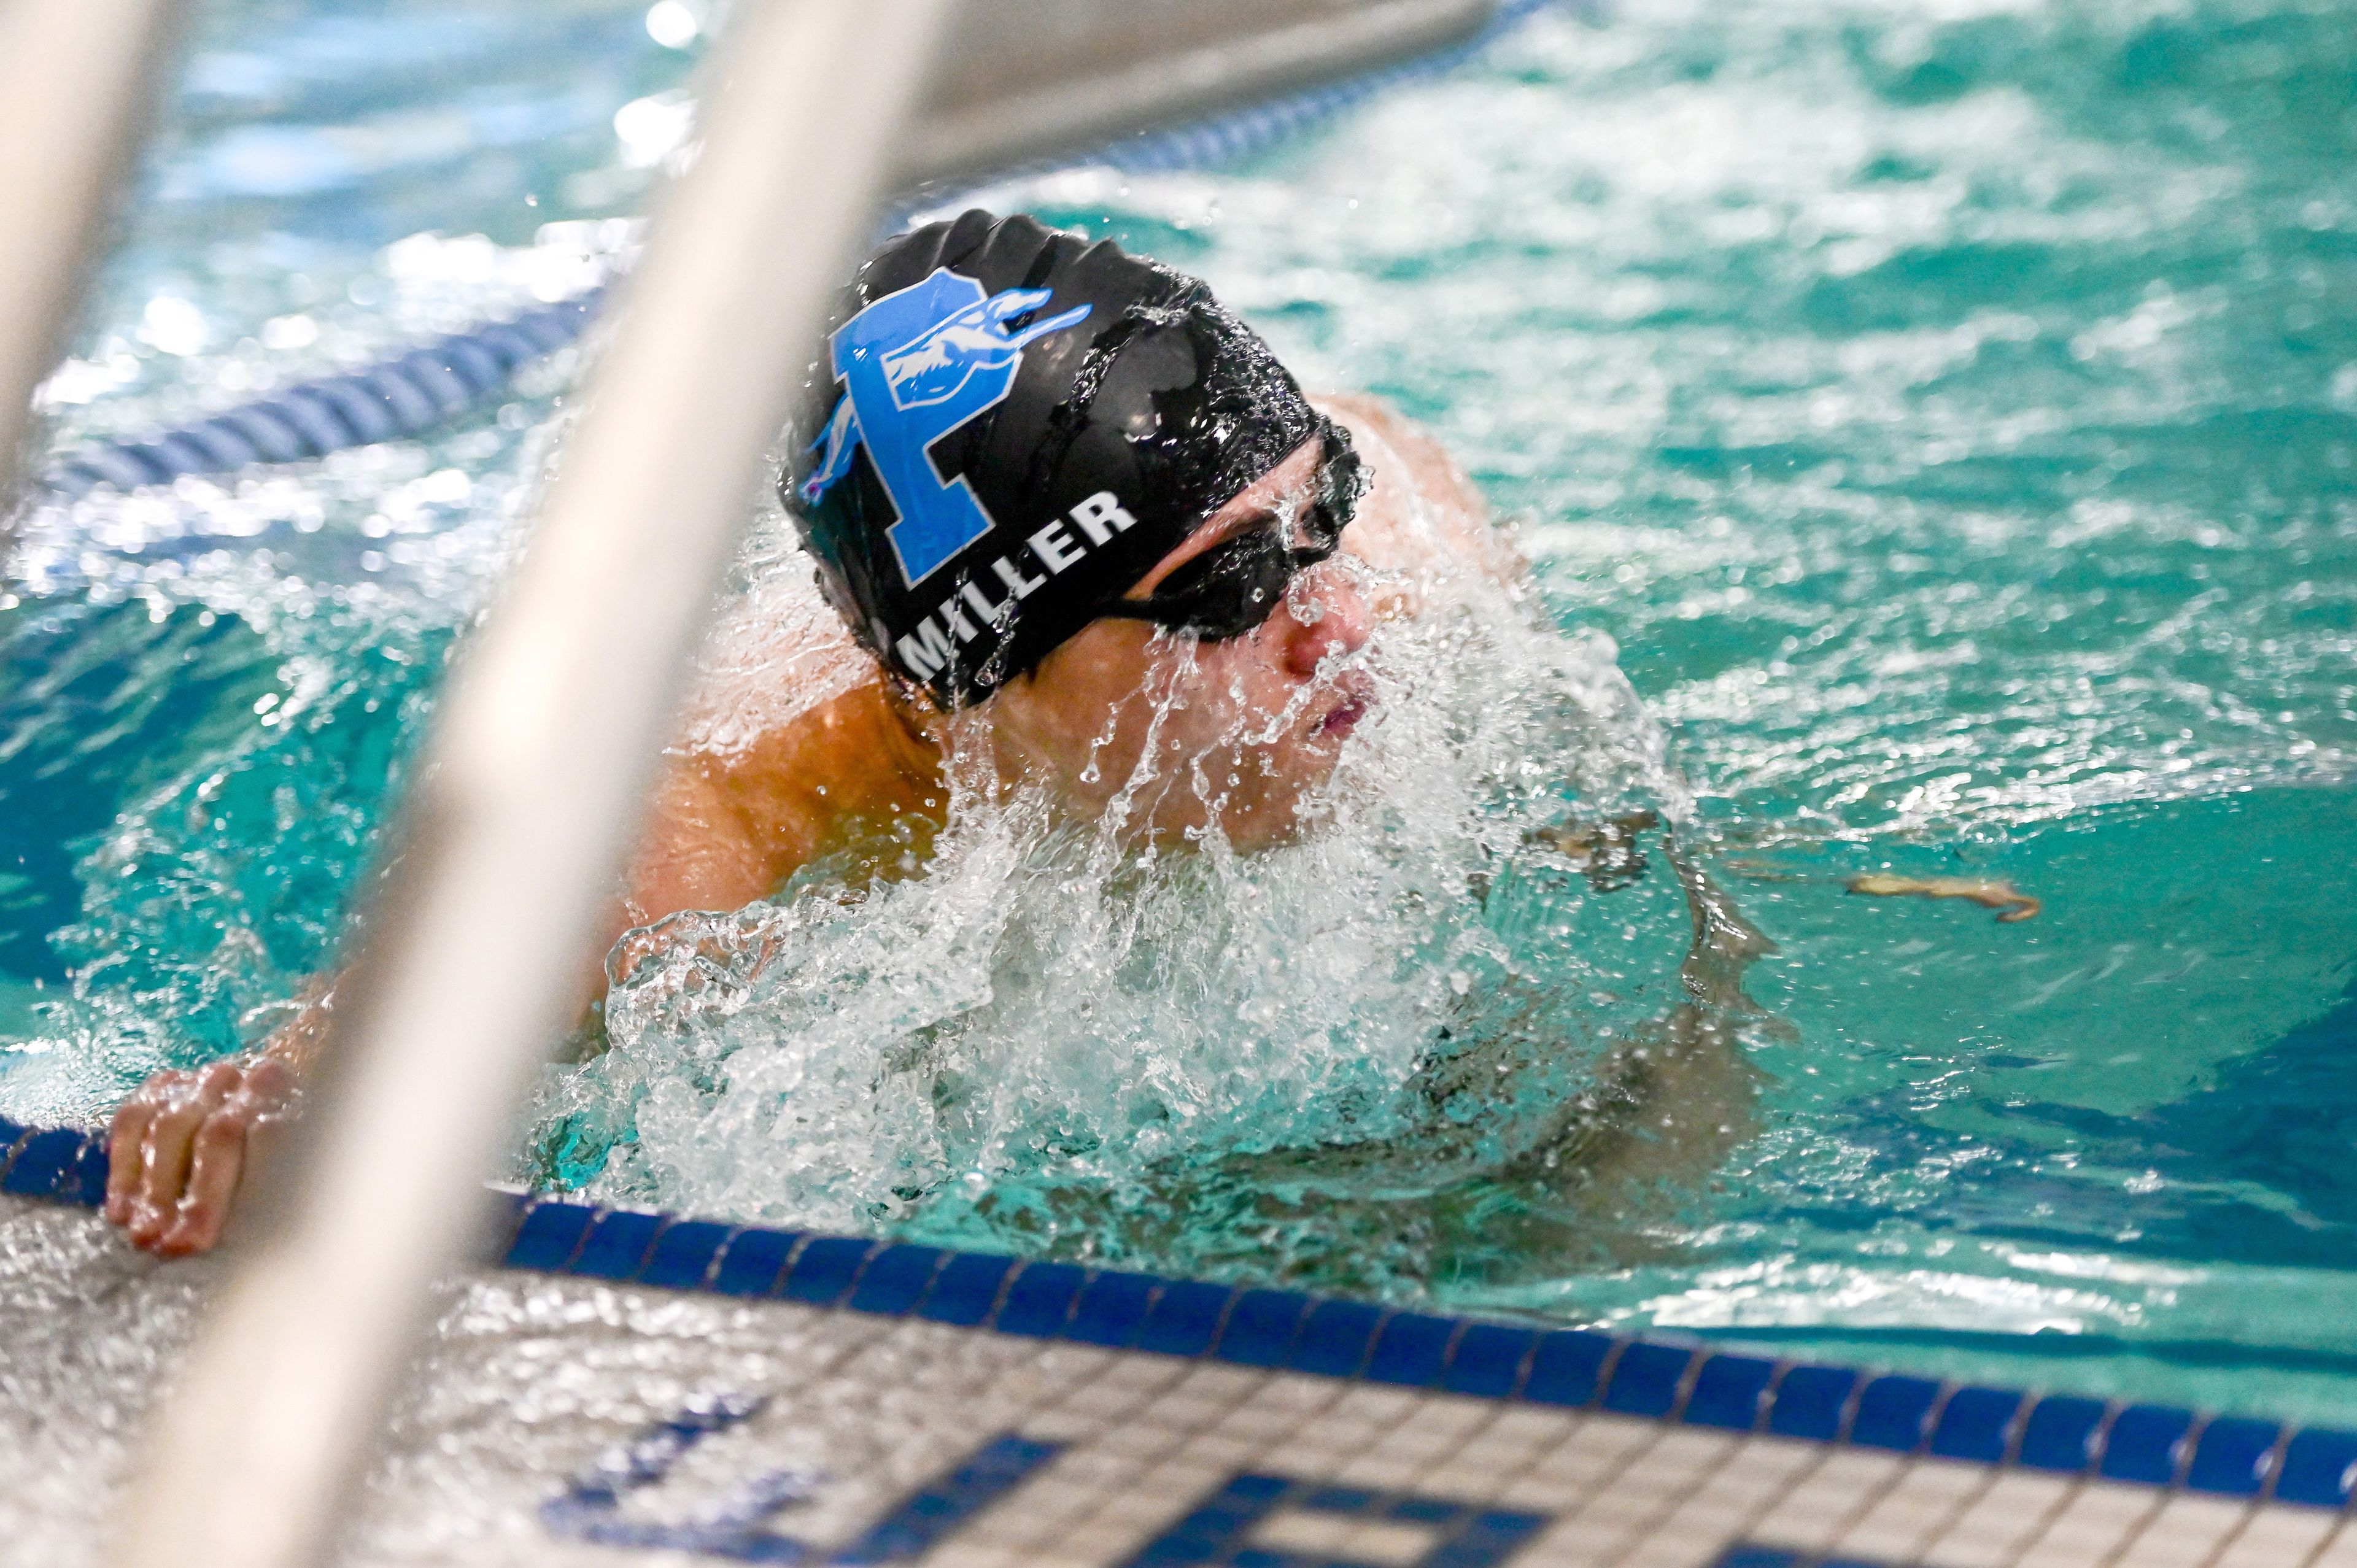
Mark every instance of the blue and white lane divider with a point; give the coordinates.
(1631, 1375)
(405, 396)
(412, 392)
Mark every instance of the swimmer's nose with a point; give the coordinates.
(1324, 615)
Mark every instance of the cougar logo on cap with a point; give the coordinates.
(915, 366)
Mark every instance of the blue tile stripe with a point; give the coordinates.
(1645, 1376)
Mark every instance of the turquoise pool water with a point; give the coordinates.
(1950, 414)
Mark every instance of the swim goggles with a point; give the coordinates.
(1232, 588)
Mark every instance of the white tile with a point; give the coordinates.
(1995, 1524)
(2340, 1551)
(960, 1553)
(2185, 1533)
(1537, 1427)
(2092, 1526)
(1382, 1406)
(1578, 1542)
(1256, 1421)
(1463, 1482)
(1382, 1543)
(1917, 1506)
(1540, 1494)
(1218, 1452)
(1822, 1504)
(1378, 1474)
(1294, 1391)
(2278, 1536)
(1216, 1381)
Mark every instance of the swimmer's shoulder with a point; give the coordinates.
(1421, 499)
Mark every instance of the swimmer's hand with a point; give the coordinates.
(2011, 903)
(179, 1144)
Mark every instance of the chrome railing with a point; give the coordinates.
(77, 81)
(516, 826)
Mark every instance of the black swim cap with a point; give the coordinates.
(1013, 426)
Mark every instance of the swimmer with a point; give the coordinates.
(1052, 490)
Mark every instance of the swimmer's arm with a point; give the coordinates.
(1670, 1103)
(179, 1144)
(724, 828)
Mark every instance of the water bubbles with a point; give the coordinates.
(1051, 1016)
(174, 326)
(652, 129)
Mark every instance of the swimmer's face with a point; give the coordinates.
(1182, 731)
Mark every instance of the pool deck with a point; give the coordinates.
(820, 1399)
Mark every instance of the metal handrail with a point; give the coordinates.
(77, 85)
(1031, 81)
(515, 827)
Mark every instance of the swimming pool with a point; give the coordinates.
(1947, 416)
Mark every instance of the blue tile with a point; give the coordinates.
(2144, 1444)
(551, 1233)
(1337, 1499)
(1726, 1391)
(2316, 1466)
(1212, 1524)
(1335, 1339)
(966, 1292)
(2233, 1456)
(1645, 1379)
(1422, 1510)
(86, 1183)
(1567, 1366)
(1410, 1348)
(1757, 1557)
(1260, 1327)
(1185, 1318)
(1262, 1489)
(925, 1520)
(683, 1254)
(1976, 1424)
(1040, 1299)
(1176, 1552)
(2060, 1433)
(1810, 1402)
(617, 1246)
(41, 1163)
(1893, 1413)
(1110, 1309)
(1487, 1360)
(753, 1260)
(895, 1280)
(821, 1272)
(1488, 1539)
(9, 1134)
(1501, 1524)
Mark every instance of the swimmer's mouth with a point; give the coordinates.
(1344, 716)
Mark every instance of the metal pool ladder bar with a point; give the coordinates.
(77, 81)
(530, 789)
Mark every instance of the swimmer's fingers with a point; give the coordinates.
(164, 1151)
(223, 1149)
(126, 1142)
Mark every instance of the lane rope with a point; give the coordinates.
(417, 389)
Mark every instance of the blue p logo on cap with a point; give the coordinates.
(916, 365)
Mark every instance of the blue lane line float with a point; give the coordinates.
(2162, 1446)
(405, 396)
(412, 392)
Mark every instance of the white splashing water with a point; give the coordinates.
(1049, 1006)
